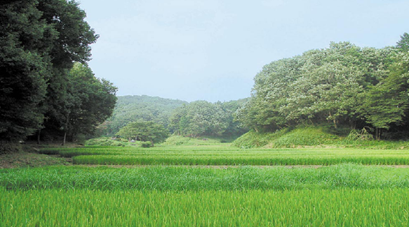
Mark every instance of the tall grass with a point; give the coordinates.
(200, 179)
(253, 157)
(86, 208)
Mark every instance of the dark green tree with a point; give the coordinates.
(72, 45)
(39, 42)
(24, 66)
(403, 43)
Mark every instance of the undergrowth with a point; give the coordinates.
(317, 136)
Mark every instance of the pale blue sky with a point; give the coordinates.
(212, 49)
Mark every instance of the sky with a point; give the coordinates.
(212, 49)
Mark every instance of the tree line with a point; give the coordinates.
(47, 90)
(153, 119)
(202, 118)
(343, 84)
(139, 108)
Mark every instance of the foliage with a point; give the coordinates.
(176, 140)
(254, 139)
(290, 138)
(343, 84)
(403, 43)
(363, 135)
(7, 147)
(134, 108)
(105, 141)
(201, 118)
(387, 102)
(40, 40)
(24, 64)
(146, 144)
(91, 101)
(144, 131)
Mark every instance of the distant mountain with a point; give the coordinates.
(147, 108)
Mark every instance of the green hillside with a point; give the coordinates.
(318, 136)
(134, 108)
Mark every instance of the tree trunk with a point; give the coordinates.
(352, 124)
(378, 133)
(65, 129)
(38, 136)
(65, 136)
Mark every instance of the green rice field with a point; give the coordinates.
(231, 156)
(210, 186)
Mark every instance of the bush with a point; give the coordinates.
(299, 136)
(146, 144)
(253, 139)
(7, 147)
(103, 141)
(362, 135)
(81, 139)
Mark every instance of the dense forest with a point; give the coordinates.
(202, 118)
(199, 118)
(134, 108)
(344, 84)
(47, 90)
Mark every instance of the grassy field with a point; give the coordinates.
(225, 155)
(228, 187)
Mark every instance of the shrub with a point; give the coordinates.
(7, 147)
(146, 144)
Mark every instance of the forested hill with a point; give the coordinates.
(198, 118)
(134, 108)
(343, 84)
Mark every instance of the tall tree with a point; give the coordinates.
(24, 65)
(403, 43)
(39, 42)
(90, 101)
(72, 45)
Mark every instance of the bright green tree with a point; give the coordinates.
(388, 102)
(144, 131)
(90, 102)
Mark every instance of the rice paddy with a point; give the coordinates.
(228, 187)
(231, 156)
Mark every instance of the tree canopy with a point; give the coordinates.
(40, 42)
(342, 84)
(144, 131)
(202, 118)
(134, 108)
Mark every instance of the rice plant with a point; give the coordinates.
(295, 208)
(199, 179)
